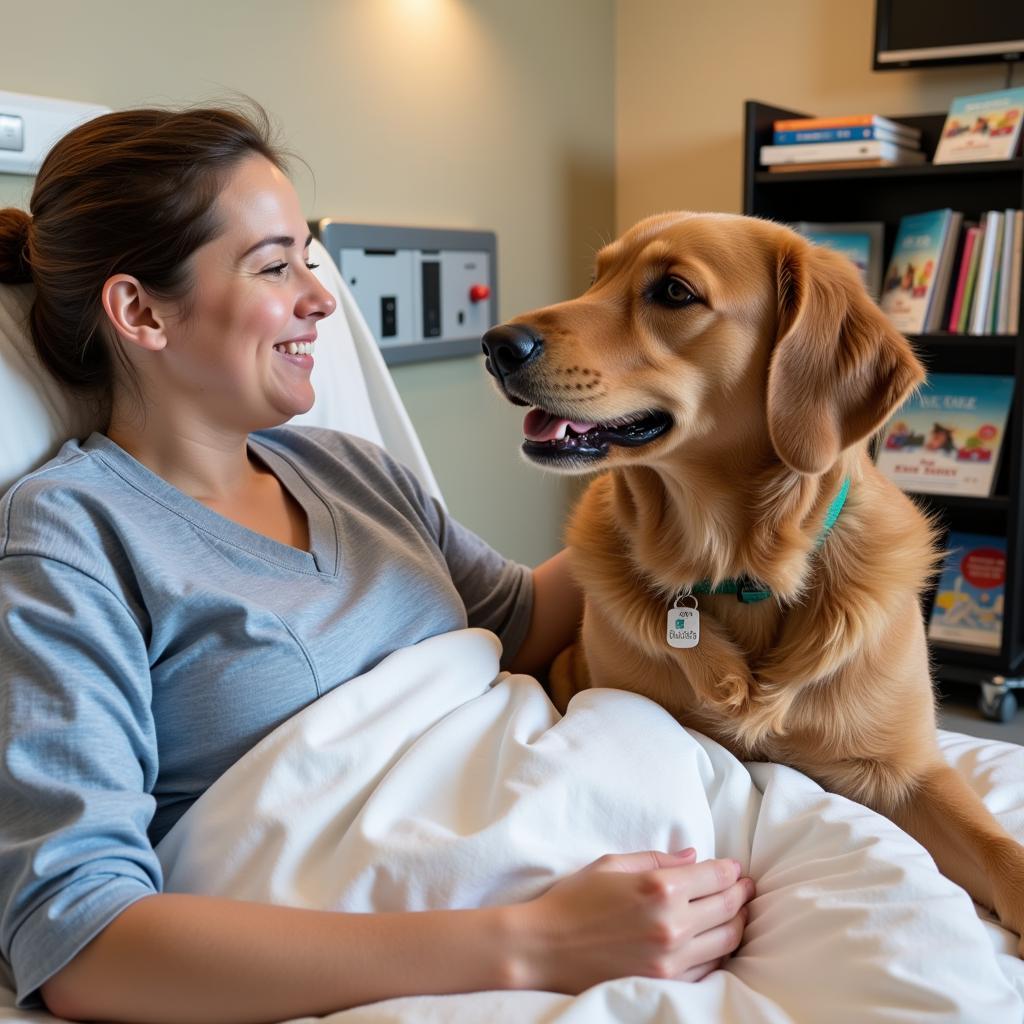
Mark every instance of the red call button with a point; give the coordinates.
(479, 292)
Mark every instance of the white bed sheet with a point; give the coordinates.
(431, 781)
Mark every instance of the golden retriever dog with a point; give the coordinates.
(743, 561)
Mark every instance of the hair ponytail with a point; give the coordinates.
(15, 226)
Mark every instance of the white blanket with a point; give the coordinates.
(433, 782)
(430, 782)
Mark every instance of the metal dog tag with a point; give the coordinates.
(683, 625)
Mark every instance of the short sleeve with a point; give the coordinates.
(78, 761)
(497, 592)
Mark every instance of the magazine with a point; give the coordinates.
(861, 242)
(946, 438)
(968, 606)
(982, 127)
(917, 264)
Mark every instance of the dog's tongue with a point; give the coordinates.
(545, 426)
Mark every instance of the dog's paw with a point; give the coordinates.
(762, 717)
(733, 692)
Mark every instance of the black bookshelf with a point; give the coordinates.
(886, 194)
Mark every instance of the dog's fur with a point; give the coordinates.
(775, 379)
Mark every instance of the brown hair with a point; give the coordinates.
(131, 192)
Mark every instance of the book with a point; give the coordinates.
(947, 437)
(944, 273)
(985, 126)
(1013, 320)
(860, 241)
(795, 138)
(866, 149)
(909, 288)
(972, 278)
(968, 606)
(970, 238)
(986, 273)
(1002, 310)
(799, 124)
(833, 165)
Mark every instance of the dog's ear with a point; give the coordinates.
(839, 368)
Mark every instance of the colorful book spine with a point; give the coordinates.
(1002, 305)
(842, 135)
(822, 151)
(961, 282)
(938, 304)
(992, 317)
(1013, 324)
(972, 278)
(987, 274)
(800, 124)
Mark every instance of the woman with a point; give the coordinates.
(175, 587)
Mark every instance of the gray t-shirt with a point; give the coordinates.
(147, 642)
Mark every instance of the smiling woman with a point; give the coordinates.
(175, 587)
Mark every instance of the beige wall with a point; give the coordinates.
(685, 68)
(554, 122)
(456, 113)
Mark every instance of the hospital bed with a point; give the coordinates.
(433, 780)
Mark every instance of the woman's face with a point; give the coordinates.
(241, 356)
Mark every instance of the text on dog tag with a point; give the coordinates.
(683, 627)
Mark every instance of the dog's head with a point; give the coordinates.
(705, 330)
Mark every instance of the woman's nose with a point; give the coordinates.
(317, 302)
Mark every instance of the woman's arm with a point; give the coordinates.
(555, 618)
(177, 958)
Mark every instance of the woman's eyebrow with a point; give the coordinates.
(285, 240)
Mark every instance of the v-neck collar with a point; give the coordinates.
(323, 555)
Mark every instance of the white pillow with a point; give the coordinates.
(38, 414)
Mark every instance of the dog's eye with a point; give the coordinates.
(673, 291)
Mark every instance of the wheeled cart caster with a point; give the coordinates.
(997, 701)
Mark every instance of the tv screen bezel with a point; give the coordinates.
(1008, 52)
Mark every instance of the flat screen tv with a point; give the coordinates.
(911, 33)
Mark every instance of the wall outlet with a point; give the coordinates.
(12, 132)
(30, 125)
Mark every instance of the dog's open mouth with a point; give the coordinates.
(550, 437)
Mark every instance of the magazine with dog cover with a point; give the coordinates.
(946, 438)
(968, 606)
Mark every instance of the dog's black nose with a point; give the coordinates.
(509, 347)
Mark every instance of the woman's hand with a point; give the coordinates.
(652, 914)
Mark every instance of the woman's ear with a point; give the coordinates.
(132, 313)
(839, 368)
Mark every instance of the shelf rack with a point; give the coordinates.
(886, 194)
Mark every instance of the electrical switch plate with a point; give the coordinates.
(42, 121)
(426, 293)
